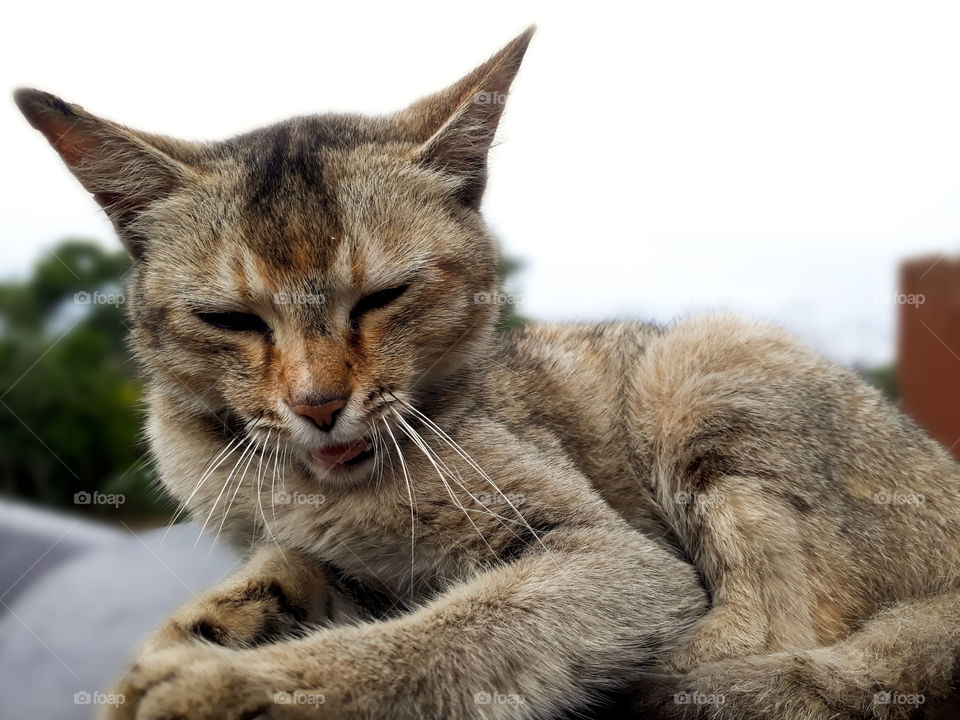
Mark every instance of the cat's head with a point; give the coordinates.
(296, 278)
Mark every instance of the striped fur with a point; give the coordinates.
(701, 520)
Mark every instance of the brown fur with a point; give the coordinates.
(602, 487)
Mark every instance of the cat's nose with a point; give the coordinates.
(325, 414)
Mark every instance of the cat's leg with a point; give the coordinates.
(902, 663)
(749, 551)
(274, 595)
(543, 633)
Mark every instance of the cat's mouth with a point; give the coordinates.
(347, 455)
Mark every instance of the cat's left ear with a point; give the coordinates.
(125, 170)
(457, 125)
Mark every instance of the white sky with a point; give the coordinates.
(656, 157)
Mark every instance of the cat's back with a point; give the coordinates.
(709, 395)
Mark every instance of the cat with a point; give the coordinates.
(445, 520)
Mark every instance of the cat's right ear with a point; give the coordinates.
(123, 169)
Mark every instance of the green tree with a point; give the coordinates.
(70, 413)
(509, 317)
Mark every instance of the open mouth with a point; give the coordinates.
(343, 456)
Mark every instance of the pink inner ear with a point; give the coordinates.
(72, 145)
(78, 146)
(66, 133)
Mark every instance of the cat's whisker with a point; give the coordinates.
(393, 471)
(211, 468)
(283, 467)
(259, 481)
(455, 446)
(418, 440)
(226, 483)
(454, 475)
(413, 515)
(273, 482)
(226, 511)
(378, 449)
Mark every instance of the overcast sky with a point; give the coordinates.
(777, 158)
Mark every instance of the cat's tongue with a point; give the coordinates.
(337, 454)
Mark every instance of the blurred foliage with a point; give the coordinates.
(70, 416)
(509, 317)
(884, 378)
(70, 411)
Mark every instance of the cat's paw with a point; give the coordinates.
(200, 683)
(248, 613)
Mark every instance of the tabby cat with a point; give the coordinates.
(445, 520)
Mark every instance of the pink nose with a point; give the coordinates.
(324, 416)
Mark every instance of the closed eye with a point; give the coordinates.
(235, 321)
(375, 301)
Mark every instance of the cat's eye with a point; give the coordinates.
(235, 321)
(374, 301)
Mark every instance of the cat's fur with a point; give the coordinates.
(658, 510)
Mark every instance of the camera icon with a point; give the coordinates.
(681, 698)
(281, 298)
(82, 698)
(483, 98)
(683, 498)
(882, 498)
(284, 498)
(481, 298)
(482, 698)
(282, 698)
(82, 498)
(82, 298)
(881, 698)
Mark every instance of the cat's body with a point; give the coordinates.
(491, 525)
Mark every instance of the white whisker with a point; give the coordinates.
(211, 468)
(455, 446)
(273, 482)
(424, 448)
(413, 517)
(226, 483)
(226, 510)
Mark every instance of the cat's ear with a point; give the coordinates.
(125, 170)
(456, 126)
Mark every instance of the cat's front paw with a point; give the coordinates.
(199, 682)
(246, 613)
